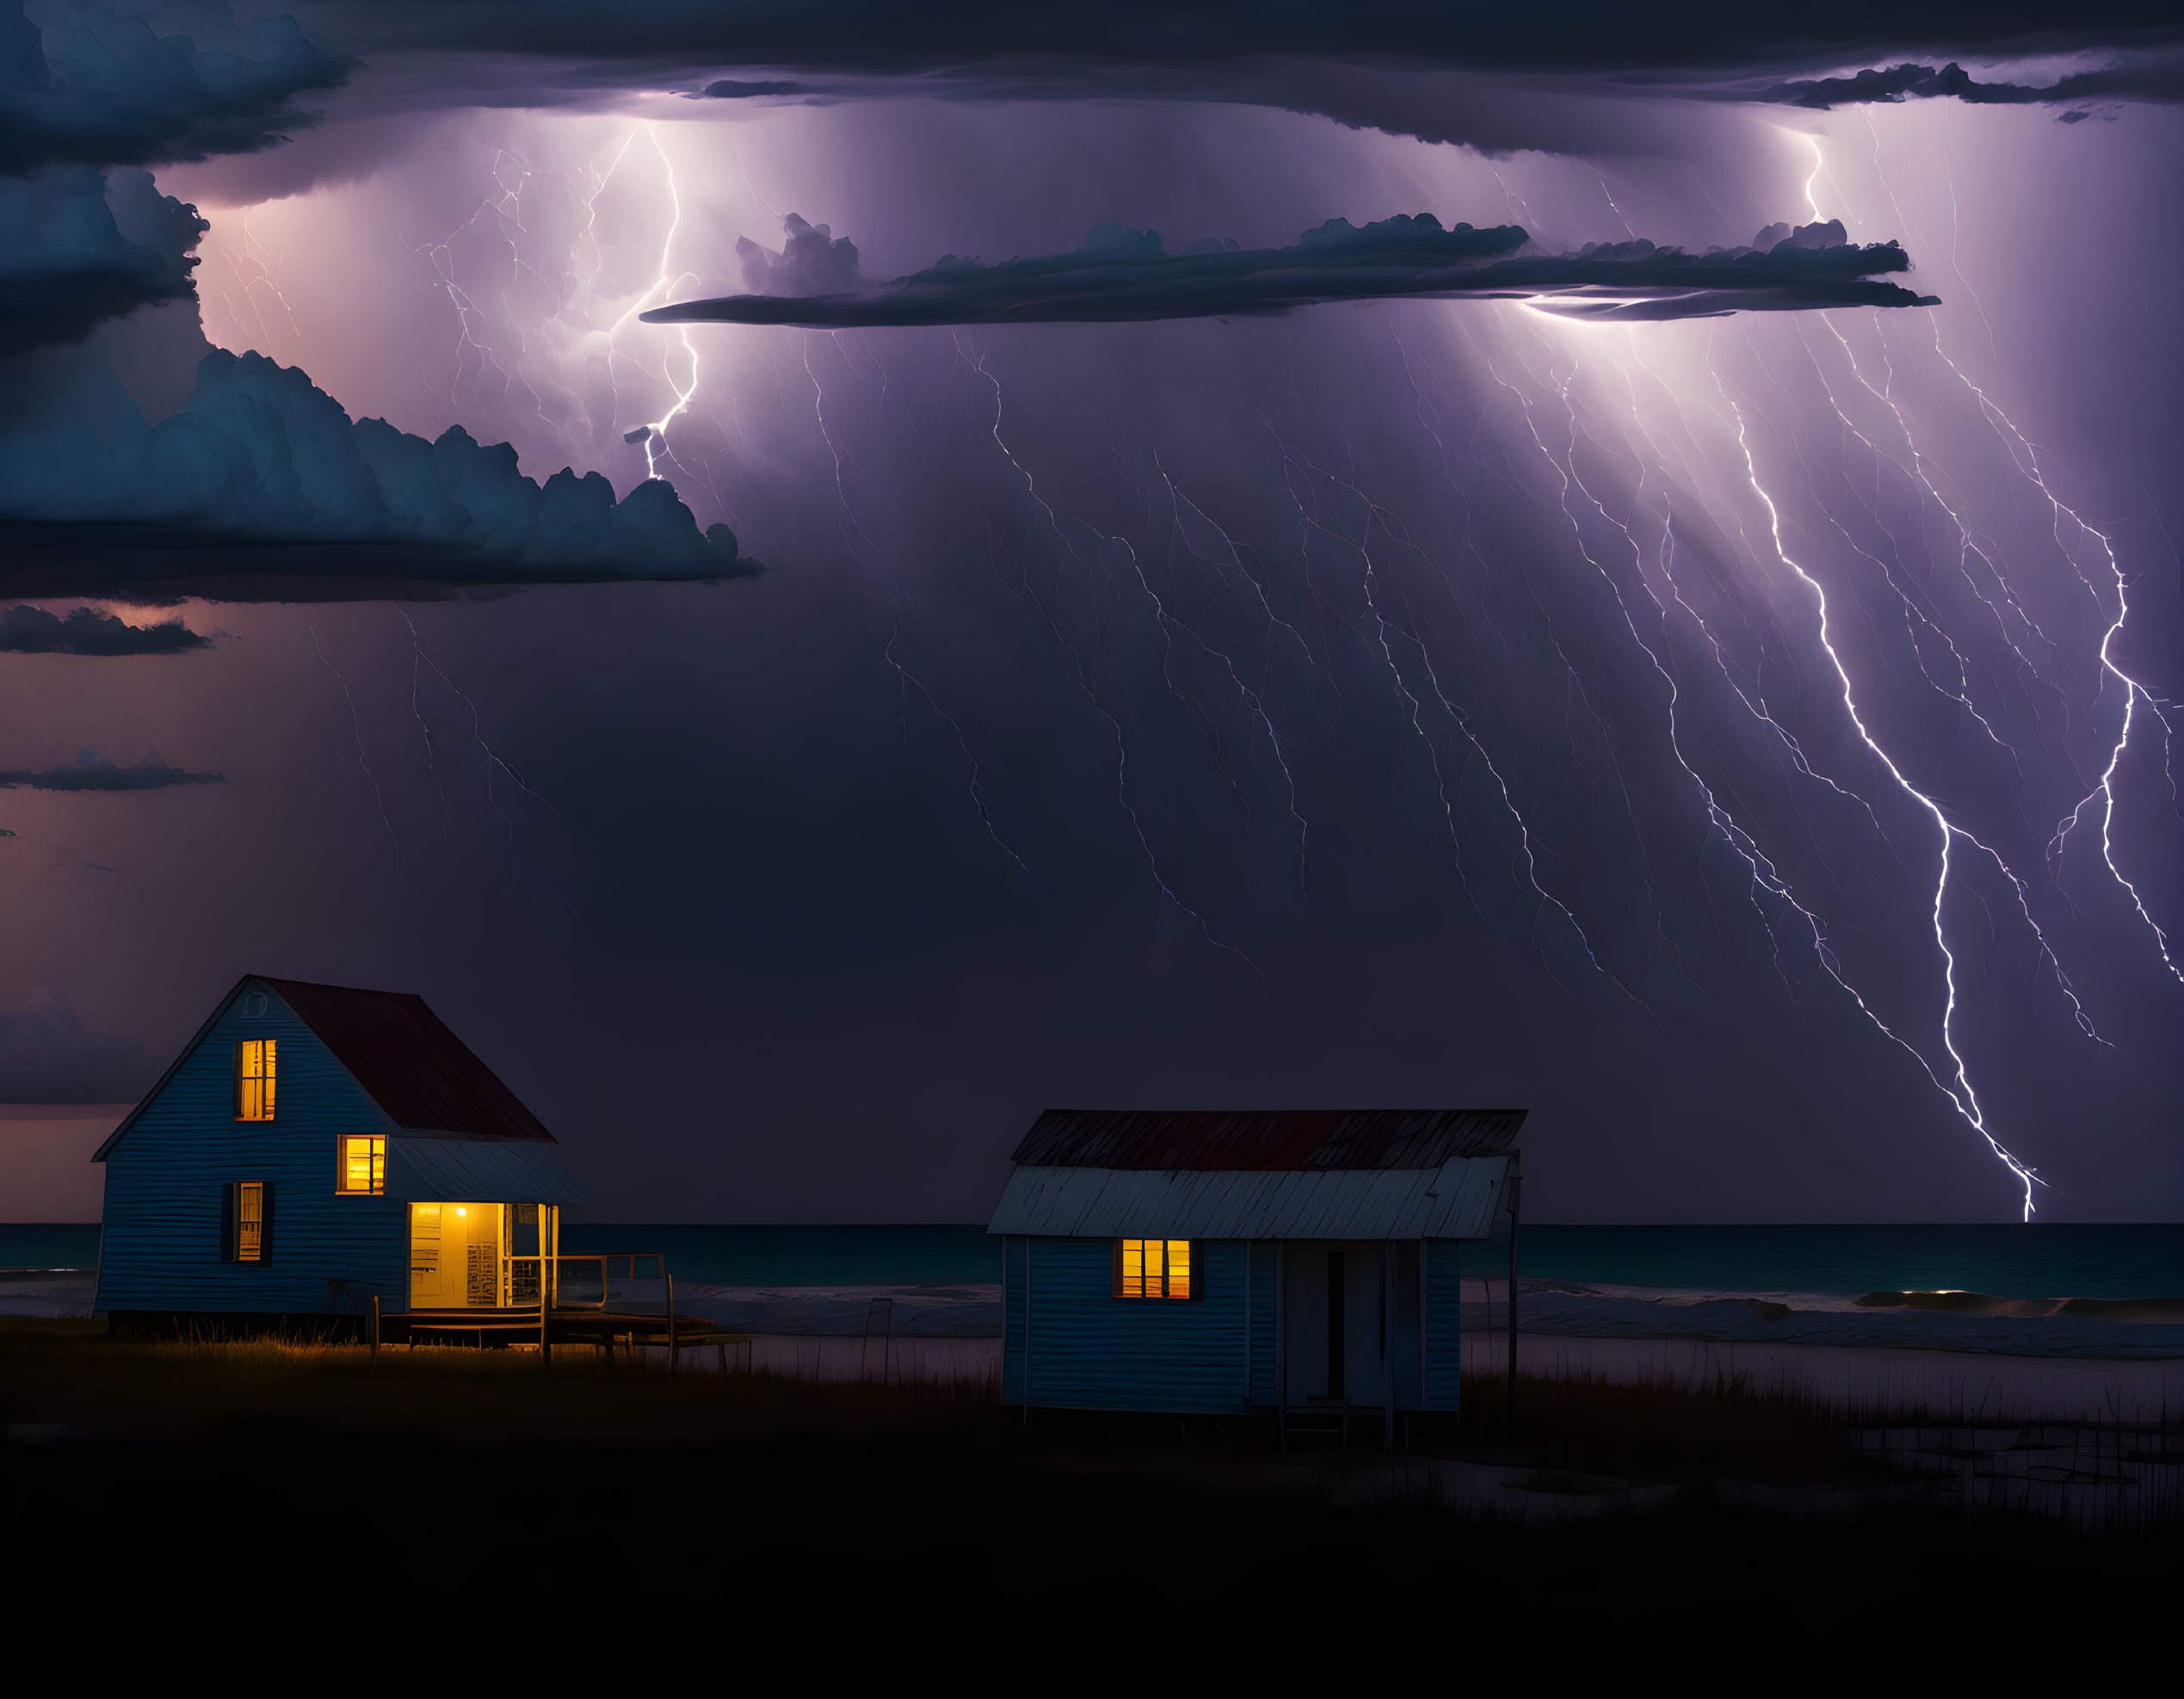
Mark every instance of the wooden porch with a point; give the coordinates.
(616, 1318)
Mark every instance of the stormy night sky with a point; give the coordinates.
(1621, 561)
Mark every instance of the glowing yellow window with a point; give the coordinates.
(1152, 1268)
(363, 1167)
(254, 1069)
(249, 1221)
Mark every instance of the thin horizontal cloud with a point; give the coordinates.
(86, 631)
(2152, 81)
(1125, 276)
(94, 773)
(880, 38)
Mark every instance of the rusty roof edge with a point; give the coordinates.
(1459, 1199)
(1057, 1133)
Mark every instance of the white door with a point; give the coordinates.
(454, 1256)
(1336, 1325)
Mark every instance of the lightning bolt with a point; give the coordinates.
(2025, 457)
(1961, 1093)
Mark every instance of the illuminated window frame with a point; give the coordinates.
(1159, 1268)
(359, 1165)
(256, 1062)
(249, 1221)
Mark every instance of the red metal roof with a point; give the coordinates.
(409, 1063)
(1266, 1141)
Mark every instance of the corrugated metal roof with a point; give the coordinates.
(470, 1171)
(1260, 1140)
(1458, 1199)
(419, 1073)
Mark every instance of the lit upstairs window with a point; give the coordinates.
(1152, 1268)
(254, 1070)
(363, 1166)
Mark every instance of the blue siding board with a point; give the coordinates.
(1089, 1350)
(161, 1247)
(1266, 1273)
(1444, 1297)
(1068, 1342)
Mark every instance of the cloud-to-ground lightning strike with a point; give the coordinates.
(2024, 459)
(1961, 1093)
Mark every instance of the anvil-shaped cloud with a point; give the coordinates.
(1124, 274)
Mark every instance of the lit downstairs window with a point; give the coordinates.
(249, 1221)
(363, 1166)
(1152, 1268)
(254, 1070)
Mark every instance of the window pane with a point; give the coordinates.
(254, 1073)
(1133, 1267)
(250, 1219)
(1179, 1268)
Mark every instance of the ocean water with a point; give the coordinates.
(2039, 1261)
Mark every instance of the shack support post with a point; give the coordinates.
(675, 1344)
(1387, 1348)
(1517, 1187)
(371, 1328)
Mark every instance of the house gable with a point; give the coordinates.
(198, 1088)
(168, 1164)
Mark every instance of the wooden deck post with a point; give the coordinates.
(372, 1326)
(675, 1345)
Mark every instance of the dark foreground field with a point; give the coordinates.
(244, 1513)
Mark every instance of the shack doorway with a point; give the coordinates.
(457, 1257)
(1336, 1328)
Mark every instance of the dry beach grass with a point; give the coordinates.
(804, 1536)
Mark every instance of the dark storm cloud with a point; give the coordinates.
(873, 36)
(262, 487)
(86, 631)
(94, 772)
(1122, 274)
(47, 1056)
(81, 84)
(2152, 81)
(74, 251)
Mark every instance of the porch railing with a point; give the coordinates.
(592, 1279)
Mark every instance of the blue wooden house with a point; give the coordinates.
(1266, 1261)
(315, 1148)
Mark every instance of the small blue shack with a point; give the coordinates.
(1270, 1262)
(315, 1148)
